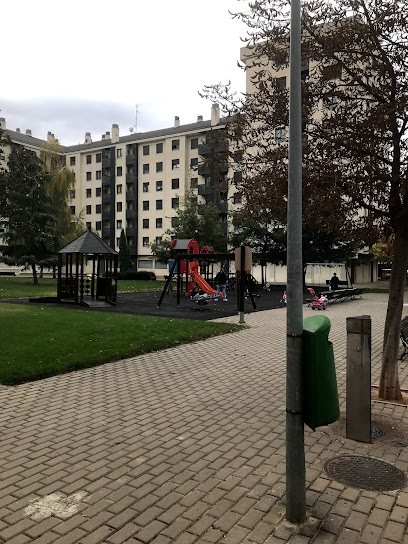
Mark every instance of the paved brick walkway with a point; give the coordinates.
(187, 446)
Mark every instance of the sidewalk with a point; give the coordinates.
(187, 446)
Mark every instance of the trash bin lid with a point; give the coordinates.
(316, 324)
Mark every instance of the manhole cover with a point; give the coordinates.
(365, 473)
(376, 433)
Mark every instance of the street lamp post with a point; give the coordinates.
(295, 447)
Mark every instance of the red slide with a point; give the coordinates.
(200, 281)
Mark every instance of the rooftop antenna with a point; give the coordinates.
(134, 127)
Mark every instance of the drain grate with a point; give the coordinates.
(375, 432)
(365, 473)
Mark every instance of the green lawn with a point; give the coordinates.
(38, 342)
(19, 287)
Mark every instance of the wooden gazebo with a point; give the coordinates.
(87, 271)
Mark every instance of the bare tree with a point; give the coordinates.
(355, 119)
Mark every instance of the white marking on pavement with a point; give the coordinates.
(57, 504)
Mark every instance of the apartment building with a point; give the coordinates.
(137, 182)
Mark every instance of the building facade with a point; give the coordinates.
(137, 182)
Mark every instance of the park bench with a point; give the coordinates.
(341, 282)
(404, 336)
(340, 295)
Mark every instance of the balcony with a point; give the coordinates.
(131, 178)
(203, 189)
(131, 214)
(130, 195)
(203, 170)
(106, 199)
(203, 150)
(131, 159)
(224, 167)
(106, 180)
(106, 162)
(222, 207)
(131, 231)
(106, 232)
(132, 251)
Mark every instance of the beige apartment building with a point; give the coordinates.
(138, 181)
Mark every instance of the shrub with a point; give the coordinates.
(132, 275)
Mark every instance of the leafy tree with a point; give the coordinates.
(125, 262)
(25, 202)
(355, 116)
(189, 223)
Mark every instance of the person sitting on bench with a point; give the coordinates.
(334, 282)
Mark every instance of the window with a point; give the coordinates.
(72, 210)
(119, 171)
(106, 171)
(145, 223)
(159, 167)
(72, 194)
(98, 174)
(72, 161)
(175, 144)
(98, 224)
(146, 187)
(145, 263)
(158, 239)
(89, 159)
(160, 266)
(194, 143)
(237, 198)
(194, 164)
(99, 157)
(98, 191)
(173, 221)
(146, 169)
(304, 69)
(280, 135)
(146, 150)
(89, 209)
(159, 148)
(117, 242)
(175, 202)
(88, 193)
(159, 204)
(145, 241)
(118, 189)
(88, 224)
(332, 72)
(119, 153)
(159, 223)
(175, 164)
(159, 186)
(281, 82)
(118, 206)
(145, 205)
(119, 224)
(175, 183)
(88, 176)
(194, 183)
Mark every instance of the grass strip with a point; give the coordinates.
(23, 287)
(39, 342)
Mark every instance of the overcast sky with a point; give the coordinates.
(79, 66)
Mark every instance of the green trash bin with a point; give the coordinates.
(320, 391)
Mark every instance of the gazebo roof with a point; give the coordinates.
(89, 243)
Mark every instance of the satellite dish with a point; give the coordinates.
(131, 129)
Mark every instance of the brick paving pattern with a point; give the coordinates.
(187, 446)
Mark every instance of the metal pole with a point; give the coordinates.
(295, 446)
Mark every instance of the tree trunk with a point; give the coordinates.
(35, 277)
(389, 381)
(41, 271)
(54, 272)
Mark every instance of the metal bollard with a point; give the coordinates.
(358, 388)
